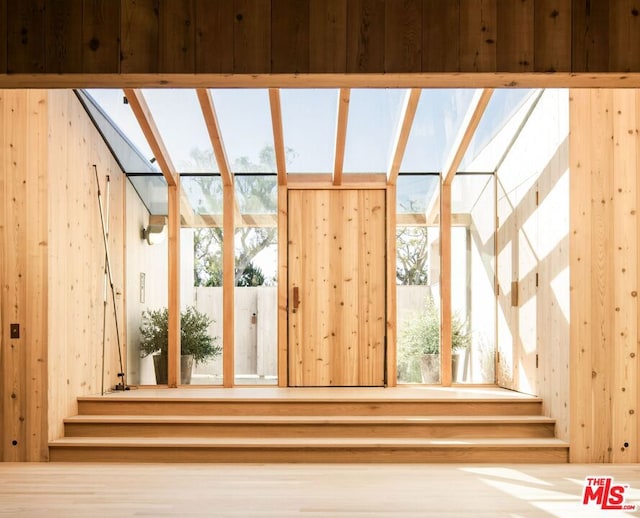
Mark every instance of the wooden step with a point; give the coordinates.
(309, 426)
(96, 405)
(318, 450)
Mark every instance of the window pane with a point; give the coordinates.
(244, 116)
(374, 115)
(417, 277)
(178, 115)
(309, 128)
(473, 278)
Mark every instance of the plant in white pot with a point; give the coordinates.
(420, 341)
(196, 344)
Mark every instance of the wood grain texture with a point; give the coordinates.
(341, 134)
(478, 35)
(177, 52)
(581, 410)
(252, 36)
(63, 36)
(403, 36)
(515, 31)
(26, 37)
(365, 35)
(625, 269)
(445, 285)
(624, 40)
(173, 298)
(228, 284)
(3, 47)
(327, 36)
(336, 335)
(290, 36)
(590, 36)
(214, 36)
(605, 148)
(553, 35)
(139, 36)
(392, 293)
(76, 259)
(283, 277)
(441, 19)
(101, 36)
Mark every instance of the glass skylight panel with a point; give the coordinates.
(112, 103)
(257, 194)
(153, 192)
(204, 193)
(179, 119)
(374, 116)
(309, 128)
(506, 107)
(244, 116)
(415, 193)
(435, 127)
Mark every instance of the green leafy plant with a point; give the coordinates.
(422, 334)
(194, 334)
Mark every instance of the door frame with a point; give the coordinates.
(390, 367)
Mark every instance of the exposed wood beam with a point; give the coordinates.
(341, 134)
(467, 130)
(152, 134)
(404, 129)
(228, 286)
(174, 347)
(327, 80)
(278, 136)
(213, 128)
(445, 286)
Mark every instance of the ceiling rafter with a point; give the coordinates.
(150, 130)
(467, 130)
(341, 134)
(278, 136)
(407, 116)
(213, 128)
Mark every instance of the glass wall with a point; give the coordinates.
(256, 298)
(473, 296)
(418, 278)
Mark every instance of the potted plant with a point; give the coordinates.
(420, 341)
(196, 344)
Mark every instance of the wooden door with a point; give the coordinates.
(337, 274)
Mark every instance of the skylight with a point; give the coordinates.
(309, 136)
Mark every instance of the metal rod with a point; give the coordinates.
(110, 276)
(104, 288)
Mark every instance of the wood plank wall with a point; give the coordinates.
(604, 198)
(533, 250)
(51, 258)
(318, 36)
(23, 274)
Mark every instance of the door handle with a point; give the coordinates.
(296, 298)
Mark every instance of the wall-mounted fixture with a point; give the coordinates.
(155, 232)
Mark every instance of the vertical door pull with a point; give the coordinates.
(296, 298)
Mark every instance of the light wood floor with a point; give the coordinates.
(514, 491)
(332, 393)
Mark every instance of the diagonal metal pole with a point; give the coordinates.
(105, 295)
(121, 374)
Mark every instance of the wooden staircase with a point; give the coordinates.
(277, 429)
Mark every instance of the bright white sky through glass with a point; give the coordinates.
(374, 116)
(309, 129)
(181, 124)
(437, 122)
(112, 103)
(244, 116)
